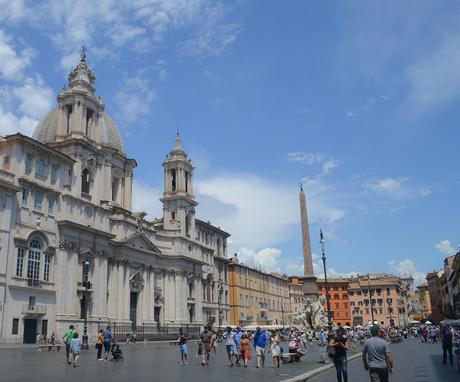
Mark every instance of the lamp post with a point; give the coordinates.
(282, 313)
(370, 298)
(220, 291)
(84, 344)
(328, 304)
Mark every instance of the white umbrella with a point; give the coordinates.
(427, 323)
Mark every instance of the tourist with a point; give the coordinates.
(340, 346)
(276, 349)
(260, 343)
(446, 341)
(67, 338)
(206, 342)
(53, 338)
(107, 334)
(215, 338)
(377, 357)
(433, 334)
(238, 337)
(75, 347)
(99, 344)
(182, 342)
(229, 338)
(245, 349)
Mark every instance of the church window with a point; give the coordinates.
(85, 180)
(173, 215)
(20, 262)
(115, 188)
(41, 168)
(89, 121)
(29, 159)
(15, 329)
(33, 264)
(186, 181)
(25, 196)
(69, 116)
(38, 199)
(53, 172)
(6, 162)
(46, 273)
(173, 180)
(51, 202)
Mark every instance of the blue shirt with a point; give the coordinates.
(238, 336)
(75, 345)
(260, 339)
(230, 338)
(107, 335)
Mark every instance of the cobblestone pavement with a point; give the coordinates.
(151, 362)
(414, 362)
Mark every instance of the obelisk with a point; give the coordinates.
(310, 288)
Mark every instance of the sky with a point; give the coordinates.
(357, 100)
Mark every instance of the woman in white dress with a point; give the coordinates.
(276, 348)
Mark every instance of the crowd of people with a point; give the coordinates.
(289, 345)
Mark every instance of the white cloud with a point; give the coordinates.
(395, 186)
(162, 75)
(266, 259)
(260, 212)
(424, 192)
(406, 268)
(147, 199)
(135, 97)
(328, 163)
(350, 114)
(445, 247)
(12, 63)
(138, 24)
(35, 98)
(435, 79)
(306, 158)
(11, 124)
(12, 11)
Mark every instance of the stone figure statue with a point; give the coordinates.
(311, 313)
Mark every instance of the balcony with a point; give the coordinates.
(36, 310)
(263, 306)
(34, 283)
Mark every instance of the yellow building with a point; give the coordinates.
(422, 296)
(256, 297)
(296, 295)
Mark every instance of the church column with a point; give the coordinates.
(106, 183)
(127, 197)
(198, 299)
(99, 281)
(126, 291)
(180, 297)
(120, 300)
(169, 293)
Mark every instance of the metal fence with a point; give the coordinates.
(149, 332)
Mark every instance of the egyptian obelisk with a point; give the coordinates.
(310, 288)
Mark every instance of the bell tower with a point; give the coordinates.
(178, 199)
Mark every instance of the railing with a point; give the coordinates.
(149, 332)
(34, 309)
(34, 283)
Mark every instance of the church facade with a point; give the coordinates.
(71, 245)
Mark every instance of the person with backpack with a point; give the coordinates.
(67, 338)
(446, 340)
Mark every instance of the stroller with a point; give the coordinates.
(117, 354)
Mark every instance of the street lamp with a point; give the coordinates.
(370, 297)
(329, 322)
(282, 313)
(84, 344)
(220, 290)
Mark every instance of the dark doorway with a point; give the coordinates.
(133, 309)
(191, 313)
(156, 315)
(30, 331)
(44, 328)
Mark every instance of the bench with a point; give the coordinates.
(49, 347)
(291, 357)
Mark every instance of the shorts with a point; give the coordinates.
(107, 346)
(230, 349)
(260, 351)
(183, 349)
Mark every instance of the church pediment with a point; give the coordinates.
(138, 241)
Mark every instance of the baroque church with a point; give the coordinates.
(70, 244)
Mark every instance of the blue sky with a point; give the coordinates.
(358, 100)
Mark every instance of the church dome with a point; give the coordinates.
(80, 113)
(47, 130)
